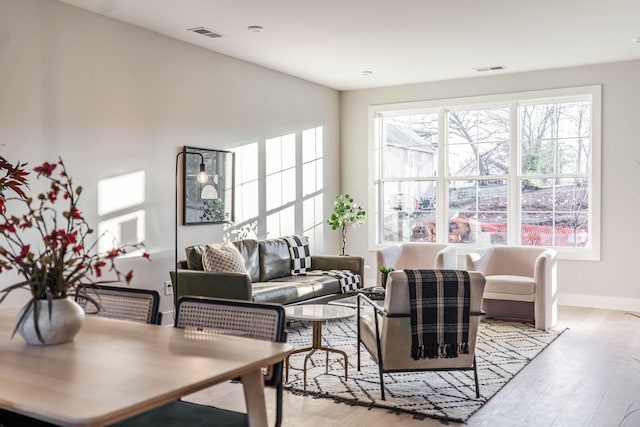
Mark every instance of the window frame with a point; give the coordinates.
(375, 112)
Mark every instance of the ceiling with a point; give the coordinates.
(331, 42)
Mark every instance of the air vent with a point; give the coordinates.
(494, 68)
(205, 32)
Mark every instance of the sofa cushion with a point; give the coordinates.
(292, 289)
(274, 259)
(508, 284)
(222, 257)
(194, 257)
(299, 254)
(248, 248)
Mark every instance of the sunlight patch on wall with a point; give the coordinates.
(117, 197)
(281, 223)
(120, 192)
(280, 169)
(312, 187)
(126, 229)
(247, 197)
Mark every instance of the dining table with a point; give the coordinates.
(115, 369)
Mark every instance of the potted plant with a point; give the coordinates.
(346, 213)
(44, 239)
(385, 270)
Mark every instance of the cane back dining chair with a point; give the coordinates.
(386, 332)
(124, 303)
(200, 317)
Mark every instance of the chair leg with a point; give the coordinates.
(381, 382)
(358, 332)
(279, 404)
(475, 376)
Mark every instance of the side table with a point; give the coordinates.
(317, 314)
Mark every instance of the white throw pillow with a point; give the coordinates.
(222, 258)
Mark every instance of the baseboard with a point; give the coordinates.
(592, 301)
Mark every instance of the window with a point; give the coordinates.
(515, 169)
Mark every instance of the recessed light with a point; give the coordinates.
(366, 73)
(255, 28)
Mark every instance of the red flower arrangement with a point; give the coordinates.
(62, 264)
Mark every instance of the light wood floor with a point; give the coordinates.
(590, 376)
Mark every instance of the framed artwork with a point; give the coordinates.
(211, 201)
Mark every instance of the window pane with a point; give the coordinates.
(463, 159)
(478, 142)
(494, 158)
(493, 125)
(572, 230)
(574, 119)
(409, 146)
(572, 208)
(573, 156)
(538, 157)
(478, 211)
(537, 122)
(409, 211)
(559, 212)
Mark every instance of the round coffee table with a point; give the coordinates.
(317, 313)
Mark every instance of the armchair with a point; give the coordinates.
(521, 282)
(417, 255)
(387, 334)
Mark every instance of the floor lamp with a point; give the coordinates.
(202, 178)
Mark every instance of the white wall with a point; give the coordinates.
(111, 98)
(609, 283)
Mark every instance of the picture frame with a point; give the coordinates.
(211, 202)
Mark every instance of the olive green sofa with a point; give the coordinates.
(268, 277)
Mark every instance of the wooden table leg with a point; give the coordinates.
(253, 385)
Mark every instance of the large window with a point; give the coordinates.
(518, 169)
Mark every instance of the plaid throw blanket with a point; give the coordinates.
(439, 307)
(348, 281)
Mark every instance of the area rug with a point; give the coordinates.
(503, 349)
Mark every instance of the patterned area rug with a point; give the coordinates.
(503, 349)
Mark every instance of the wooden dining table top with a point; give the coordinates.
(115, 369)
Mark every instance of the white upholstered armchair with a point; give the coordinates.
(418, 255)
(521, 282)
(387, 336)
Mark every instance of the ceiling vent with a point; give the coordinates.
(494, 68)
(205, 32)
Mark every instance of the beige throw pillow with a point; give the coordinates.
(222, 258)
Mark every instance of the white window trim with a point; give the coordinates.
(595, 91)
